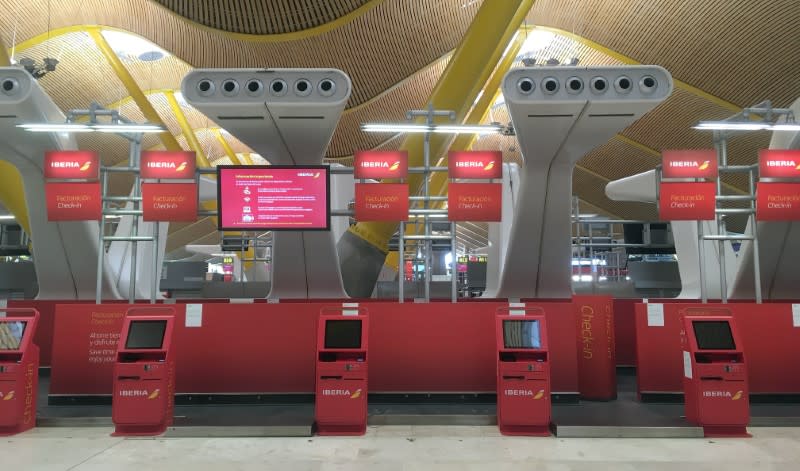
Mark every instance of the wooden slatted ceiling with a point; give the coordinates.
(262, 16)
(742, 51)
(377, 49)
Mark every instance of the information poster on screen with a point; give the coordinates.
(266, 198)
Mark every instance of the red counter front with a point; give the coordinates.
(434, 347)
(19, 368)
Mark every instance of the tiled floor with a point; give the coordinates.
(397, 448)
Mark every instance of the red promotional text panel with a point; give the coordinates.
(381, 164)
(169, 202)
(381, 202)
(475, 164)
(779, 163)
(71, 164)
(272, 197)
(73, 201)
(778, 202)
(474, 202)
(687, 201)
(168, 165)
(689, 163)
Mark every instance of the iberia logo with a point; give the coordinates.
(154, 394)
(489, 166)
(798, 167)
(737, 396)
(394, 166)
(539, 394)
(704, 165)
(316, 175)
(181, 167)
(86, 166)
(8, 396)
(356, 394)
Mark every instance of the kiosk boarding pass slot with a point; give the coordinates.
(342, 371)
(523, 372)
(715, 381)
(144, 373)
(19, 370)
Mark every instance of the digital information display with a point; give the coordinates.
(521, 334)
(343, 334)
(713, 335)
(11, 333)
(145, 335)
(272, 197)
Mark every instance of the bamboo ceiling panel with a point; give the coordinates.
(262, 16)
(377, 49)
(741, 51)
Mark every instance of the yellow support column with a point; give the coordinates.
(363, 248)
(438, 181)
(227, 147)
(188, 132)
(12, 193)
(248, 158)
(467, 72)
(133, 89)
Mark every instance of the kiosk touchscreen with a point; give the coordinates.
(144, 374)
(341, 384)
(523, 373)
(715, 376)
(19, 370)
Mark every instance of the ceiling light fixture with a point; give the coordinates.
(745, 126)
(120, 128)
(6, 217)
(436, 128)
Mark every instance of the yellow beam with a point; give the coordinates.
(186, 128)
(248, 159)
(133, 88)
(466, 74)
(228, 151)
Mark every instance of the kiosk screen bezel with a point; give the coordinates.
(507, 343)
(717, 342)
(6, 322)
(132, 330)
(334, 343)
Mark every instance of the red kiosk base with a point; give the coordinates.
(523, 372)
(144, 374)
(342, 372)
(19, 370)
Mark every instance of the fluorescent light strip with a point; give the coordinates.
(6, 217)
(127, 128)
(740, 126)
(76, 127)
(437, 128)
(55, 127)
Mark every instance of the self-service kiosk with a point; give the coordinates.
(19, 370)
(715, 376)
(144, 374)
(523, 372)
(342, 373)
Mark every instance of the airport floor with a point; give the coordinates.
(397, 448)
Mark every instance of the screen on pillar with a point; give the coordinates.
(713, 335)
(11, 333)
(145, 335)
(343, 334)
(522, 334)
(273, 198)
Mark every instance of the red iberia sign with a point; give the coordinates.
(689, 163)
(475, 164)
(687, 201)
(167, 165)
(779, 163)
(381, 164)
(169, 202)
(381, 202)
(778, 202)
(71, 164)
(73, 201)
(474, 202)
